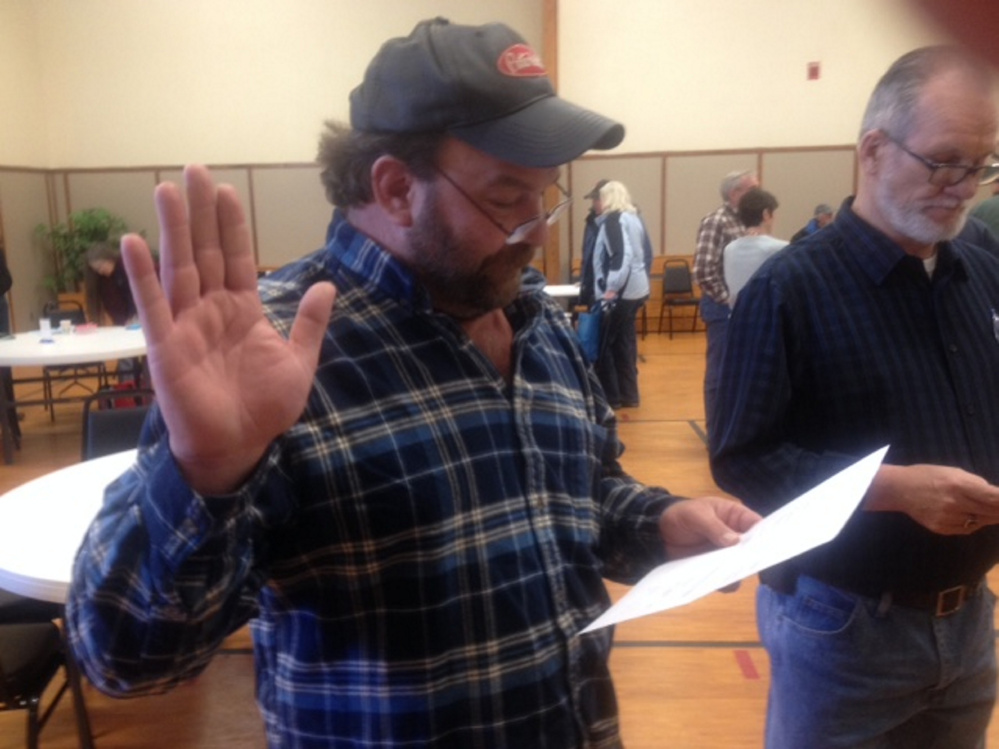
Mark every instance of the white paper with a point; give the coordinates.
(812, 519)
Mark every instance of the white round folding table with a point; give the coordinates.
(43, 521)
(59, 349)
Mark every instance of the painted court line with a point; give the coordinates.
(700, 432)
(746, 665)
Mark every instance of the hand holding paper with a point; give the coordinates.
(812, 519)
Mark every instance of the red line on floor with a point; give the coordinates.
(746, 665)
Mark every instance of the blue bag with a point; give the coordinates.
(588, 329)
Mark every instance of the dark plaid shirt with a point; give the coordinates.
(842, 344)
(424, 545)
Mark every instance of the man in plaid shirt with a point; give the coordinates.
(420, 525)
(718, 229)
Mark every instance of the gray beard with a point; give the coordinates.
(908, 220)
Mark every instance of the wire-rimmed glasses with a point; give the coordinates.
(948, 175)
(520, 232)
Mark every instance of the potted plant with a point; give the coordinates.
(68, 242)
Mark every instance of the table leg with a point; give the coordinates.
(6, 425)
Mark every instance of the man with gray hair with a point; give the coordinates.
(881, 329)
(717, 230)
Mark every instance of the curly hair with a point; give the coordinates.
(347, 155)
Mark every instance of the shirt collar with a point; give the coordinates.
(882, 255)
(353, 253)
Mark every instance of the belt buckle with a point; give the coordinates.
(950, 600)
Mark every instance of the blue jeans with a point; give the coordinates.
(715, 318)
(857, 672)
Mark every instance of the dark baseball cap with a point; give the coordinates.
(481, 84)
(596, 189)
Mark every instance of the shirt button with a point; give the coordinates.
(952, 348)
(970, 410)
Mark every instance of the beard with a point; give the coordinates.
(911, 220)
(460, 280)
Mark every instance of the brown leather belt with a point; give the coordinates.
(941, 603)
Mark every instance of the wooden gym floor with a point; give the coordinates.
(692, 678)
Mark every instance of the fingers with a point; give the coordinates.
(202, 205)
(177, 269)
(240, 270)
(696, 525)
(311, 322)
(152, 304)
(725, 519)
(738, 517)
(205, 240)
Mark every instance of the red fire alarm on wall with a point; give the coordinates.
(814, 70)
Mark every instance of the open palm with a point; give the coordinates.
(227, 382)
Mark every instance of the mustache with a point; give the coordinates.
(949, 204)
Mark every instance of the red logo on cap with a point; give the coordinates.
(520, 61)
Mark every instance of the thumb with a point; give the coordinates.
(312, 319)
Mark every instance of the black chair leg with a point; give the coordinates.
(76, 689)
(33, 727)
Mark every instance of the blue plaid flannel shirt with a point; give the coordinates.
(418, 553)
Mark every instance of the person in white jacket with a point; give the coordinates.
(619, 275)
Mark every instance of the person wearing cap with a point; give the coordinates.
(822, 217)
(416, 498)
(880, 330)
(587, 293)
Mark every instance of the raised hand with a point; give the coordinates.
(226, 381)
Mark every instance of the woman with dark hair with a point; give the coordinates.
(108, 294)
(107, 287)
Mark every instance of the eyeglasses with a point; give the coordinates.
(522, 231)
(948, 175)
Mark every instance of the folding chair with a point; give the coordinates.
(31, 653)
(112, 420)
(678, 292)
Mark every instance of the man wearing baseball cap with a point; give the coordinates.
(419, 524)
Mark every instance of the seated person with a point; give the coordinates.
(107, 287)
(110, 296)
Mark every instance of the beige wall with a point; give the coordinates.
(22, 120)
(112, 83)
(146, 82)
(721, 74)
(99, 99)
